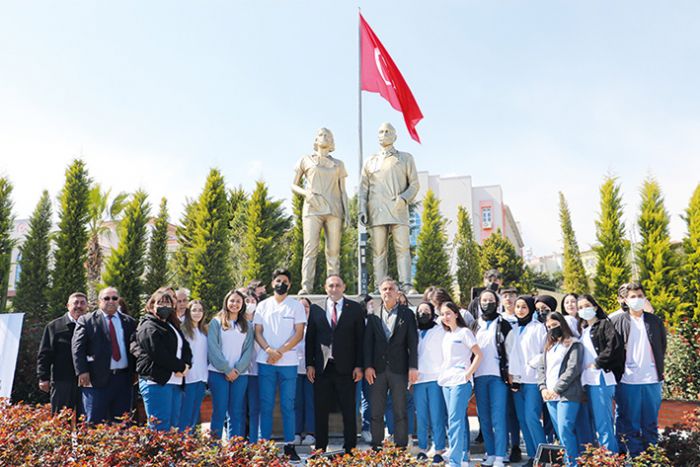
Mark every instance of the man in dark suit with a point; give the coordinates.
(391, 361)
(334, 360)
(54, 362)
(102, 362)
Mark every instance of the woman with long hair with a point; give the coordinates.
(603, 366)
(230, 348)
(559, 380)
(253, 390)
(195, 331)
(163, 358)
(569, 308)
(461, 357)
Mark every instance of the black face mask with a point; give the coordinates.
(556, 333)
(262, 297)
(489, 311)
(425, 321)
(164, 312)
(542, 316)
(281, 288)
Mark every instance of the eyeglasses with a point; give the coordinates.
(114, 298)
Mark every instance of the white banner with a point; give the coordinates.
(10, 331)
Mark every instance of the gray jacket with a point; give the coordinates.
(569, 385)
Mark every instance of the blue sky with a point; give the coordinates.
(536, 96)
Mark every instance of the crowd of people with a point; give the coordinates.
(538, 369)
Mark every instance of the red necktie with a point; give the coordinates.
(334, 316)
(116, 354)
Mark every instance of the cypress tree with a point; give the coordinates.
(126, 264)
(238, 200)
(157, 274)
(185, 234)
(211, 244)
(263, 248)
(497, 252)
(348, 249)
(468, 269)
(657, 263)
(433, 262)
(613, 268)
(7, 222)
(575, 279)
(33, 286)
(690, 270)
(71, 239)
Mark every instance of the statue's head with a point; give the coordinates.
(324, 139)
(387, 134)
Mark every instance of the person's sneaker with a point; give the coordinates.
(291, 452)
(438, 459)
(308, 440)
(422, 456)
(366, 436)
(498, 462)
(466, 464)
(297, 440)
(515, 454)
(488, 462)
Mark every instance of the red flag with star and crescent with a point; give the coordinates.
(379, 73)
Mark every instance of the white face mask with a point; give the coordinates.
(250, 308)
(587, 313)
(636, 303)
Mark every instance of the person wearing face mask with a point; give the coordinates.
(529, 340)
(163, 358)
(230, 348)
(195, 331)
(279, 327)
(559, 381)
(638, 395)
(603, 365)
(253, 390)
(431, 412)
(491, 379)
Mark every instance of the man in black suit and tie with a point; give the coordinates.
(54, 362)
(102, 362)
(334, 338)
(391, 361)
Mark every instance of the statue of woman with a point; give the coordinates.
(320, 179)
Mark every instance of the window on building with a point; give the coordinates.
(486, 220)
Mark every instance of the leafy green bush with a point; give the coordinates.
(682, 441)
(682, 371)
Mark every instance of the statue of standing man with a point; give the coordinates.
(320, 179)
(389, 184)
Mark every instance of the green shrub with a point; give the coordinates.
(682, 369)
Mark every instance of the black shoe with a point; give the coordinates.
(479, 438)
(438, 459)
(422, 456)
(515, 454)
(530, 462)
(376, 448)
(291, 452)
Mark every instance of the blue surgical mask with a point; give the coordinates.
(587, 313)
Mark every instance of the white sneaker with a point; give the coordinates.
(366, 436)
(466, 464)
(309, 440)
(297, 440)
(489, 461)
(498, 462)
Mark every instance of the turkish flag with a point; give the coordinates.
(379, 73)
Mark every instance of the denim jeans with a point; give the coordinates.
(304, 406)
(163, 402)
(528, 405)
(191, 404)
(269, 376)
(227, 402)
(431, 412)
(253, 399)
(638, 412)
(362, 402)
(600, 402)
(491, 400)
(457, 401)
(564, 415)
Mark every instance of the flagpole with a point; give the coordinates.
(361, 229)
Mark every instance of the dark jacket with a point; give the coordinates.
(656, 333)
(346, 338)
(54, 362)
(91, 339)
(569, 385)
(400, 351)
(155, 349)
(610, 348)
